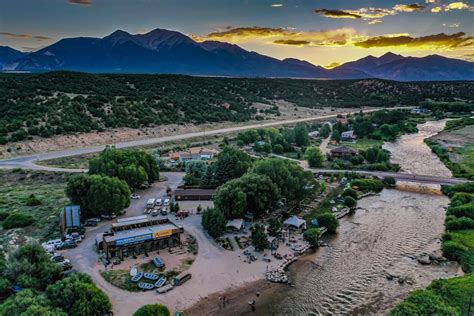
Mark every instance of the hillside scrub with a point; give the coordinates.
(61, 103)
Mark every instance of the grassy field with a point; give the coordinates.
(121, 278)
(455, 147)
(325, 206)
(363, 143)
(465, 238)
(466, 160)
(74, 162)
(16, 188)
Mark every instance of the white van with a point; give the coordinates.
(150, 203)
(158, 202)
(167, 202)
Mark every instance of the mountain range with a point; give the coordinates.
(164, 51)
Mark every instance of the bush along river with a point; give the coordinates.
(390, 246)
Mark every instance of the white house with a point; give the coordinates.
(349, 135)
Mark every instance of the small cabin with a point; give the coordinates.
(343, 152)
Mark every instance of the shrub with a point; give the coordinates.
(3, 215)
(367, 185)
(459, 223)
(152, 310)
(466, 210)
(389, 182)
(329, 221)
(33, 201)
(350, 193)
(213, 221)
(453, 250)
(350, 202)
(16, 220)
(311, 235)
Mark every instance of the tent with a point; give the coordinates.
(235, 224)
(295, 222)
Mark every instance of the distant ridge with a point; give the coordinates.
(164, 51)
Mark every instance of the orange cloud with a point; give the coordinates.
(435, 42)
(24, 36)
(15, 36)
(458, 5)
(375, 21)
(80, 2)
(281, 36)
(408, 7)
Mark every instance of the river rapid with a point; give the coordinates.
(359, 271)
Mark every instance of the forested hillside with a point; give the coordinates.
(64, 103)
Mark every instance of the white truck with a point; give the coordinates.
(150, 203)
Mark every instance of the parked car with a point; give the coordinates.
(92, 222)
(53, 242)
(158, 202)
(154, 213)
(108, 216)
(144, 186)
(135, 196)
(167, 202)
(56, 257)
(68, 244)
(164, 212)
(66, 265)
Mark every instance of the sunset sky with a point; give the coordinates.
(326, 32)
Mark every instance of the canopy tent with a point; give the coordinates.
(295, 222)
(236, 224)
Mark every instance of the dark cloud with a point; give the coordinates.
(292, 42)
(337, 14)
(437, 41)
(80, 2)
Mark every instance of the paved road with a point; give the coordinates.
(28, 161)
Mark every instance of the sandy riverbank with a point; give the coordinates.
(238, 299)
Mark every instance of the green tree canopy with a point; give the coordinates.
(29, 303)
(292, 181)
(261, 193)
(97, 194)
(231, 200)
(329, 221)
(231, 164)
(31, 267)
(132, 166)
(314, 157)
(259, 238)
(311, 235)
(301, 134)
(78, 296)
(152, 310)
(213, 221)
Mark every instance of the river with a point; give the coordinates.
(383, 238)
